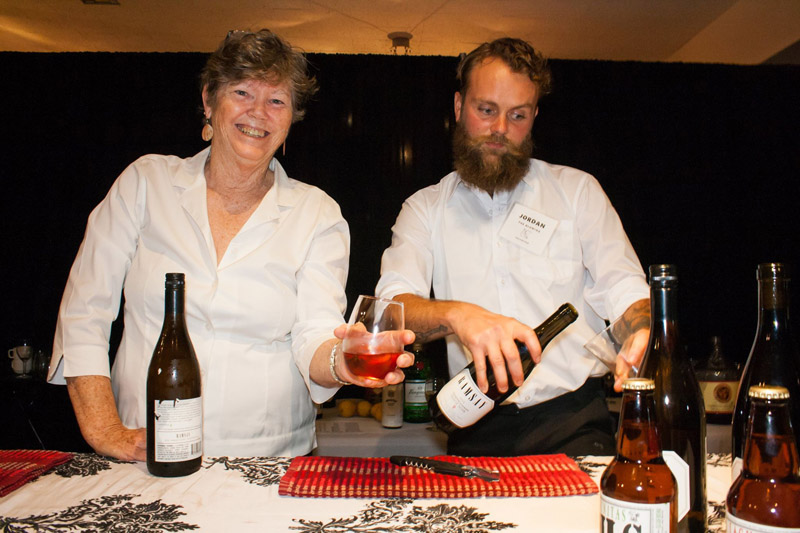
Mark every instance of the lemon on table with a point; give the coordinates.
(363, 408)
(376, 412)
(347, 408)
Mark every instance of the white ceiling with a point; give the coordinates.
(720, 31)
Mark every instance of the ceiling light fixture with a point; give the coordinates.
(401, 42)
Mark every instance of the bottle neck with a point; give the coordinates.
(770, 447)
(555, 324)
(664, 319)
(174, 302)
(773, 303)
(638, 439)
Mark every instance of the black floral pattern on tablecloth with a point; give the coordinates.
(261, 471)
(87, 464)
(107, 513)
(398, 515)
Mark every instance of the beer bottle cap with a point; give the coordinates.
(768, 392)
(638, 384)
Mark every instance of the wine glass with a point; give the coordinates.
(615, 339)
(432, 386)
(372, 342)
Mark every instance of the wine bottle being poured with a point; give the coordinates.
(461, 403)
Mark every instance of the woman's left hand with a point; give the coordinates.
(404, 360)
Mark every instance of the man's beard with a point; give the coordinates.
(503, 172)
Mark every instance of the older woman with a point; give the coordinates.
(265, 259)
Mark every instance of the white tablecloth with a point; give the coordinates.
(241, 494)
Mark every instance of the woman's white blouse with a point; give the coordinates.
(255, 319)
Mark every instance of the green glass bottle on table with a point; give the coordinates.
(679, 403)
(415, 406)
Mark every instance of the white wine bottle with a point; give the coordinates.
(461, 403)
(174, 400)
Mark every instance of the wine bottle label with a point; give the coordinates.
(461, 401)
(737, 525)
(178, 430)
(719, 397)
(680, 469)
(617, 516)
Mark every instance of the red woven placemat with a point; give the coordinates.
(17, 467)
(365, 477)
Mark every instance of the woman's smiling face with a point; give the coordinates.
(251, 118)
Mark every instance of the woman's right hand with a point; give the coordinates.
(122, 443)
(101, 427)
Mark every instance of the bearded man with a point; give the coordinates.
(503, 241)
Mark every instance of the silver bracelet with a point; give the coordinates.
(334, 375)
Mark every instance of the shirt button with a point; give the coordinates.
(209, 327)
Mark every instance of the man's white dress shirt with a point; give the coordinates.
(255, 319)
(461, 241)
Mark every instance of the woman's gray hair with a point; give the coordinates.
(260, 55)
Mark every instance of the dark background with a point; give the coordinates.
(701, 162)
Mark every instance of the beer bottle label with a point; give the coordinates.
(737, 525)
(680, 469)
(462, 401)
(617, 516)
(178, 430)
(736, 467)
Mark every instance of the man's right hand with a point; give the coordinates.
(98, 418)
(490, 337)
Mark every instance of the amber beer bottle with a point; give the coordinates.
(638, 490)
(765, 497)
(679, 402)
(174, 402)
(461, 403)
(774, 357)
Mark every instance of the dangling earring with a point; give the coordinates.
(208, 131)
(283, 150)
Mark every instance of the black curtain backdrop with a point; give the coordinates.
(700, 161)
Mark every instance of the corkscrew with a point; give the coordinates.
(443, 467)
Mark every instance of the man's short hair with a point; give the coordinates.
(519, 55)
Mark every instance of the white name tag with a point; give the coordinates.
(528, 228)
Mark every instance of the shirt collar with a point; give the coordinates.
(528, 179)
(191, 182)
